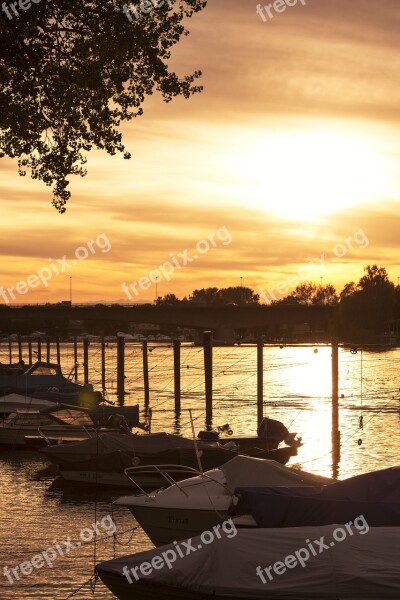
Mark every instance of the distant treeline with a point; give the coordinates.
(364, 310)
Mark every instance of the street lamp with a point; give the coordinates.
(156, 290)
(70, 290)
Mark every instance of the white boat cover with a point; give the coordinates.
(362, 566)
(244, 471)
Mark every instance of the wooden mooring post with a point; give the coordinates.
(177, 375)
(30, 351)
(48, 351)
(208, 374)
(75, 359)
(146, 384)
(85, 361)
(335, 401)
(260, 381)
(121, 369)
(19, 348)
(103, 365)
(39, 348)
(10, 351)
(58, 350)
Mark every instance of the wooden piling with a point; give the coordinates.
(208, 374)
(103, 365)
(75, 359)
(19, 348)
(85, 360)
(58, 350)
(260, 381)
(121, 369)
(39, 349)
(335, 399)
(10, 351)
(30, 351)
(48, 352)
(177, 375)
(146, 384)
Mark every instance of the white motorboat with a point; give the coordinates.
(188, 507)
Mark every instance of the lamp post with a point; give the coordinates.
(70, 290)
(156, 290)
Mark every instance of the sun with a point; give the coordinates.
(304, 175)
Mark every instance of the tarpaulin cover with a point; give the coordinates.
(358, 568)
(374, 495)
(153, 446)
(245, 471)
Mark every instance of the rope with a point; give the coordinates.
(92, 582)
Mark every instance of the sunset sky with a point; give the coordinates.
(293, 147)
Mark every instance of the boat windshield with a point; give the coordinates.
(74, 417)
(31, 420)
(45, 371)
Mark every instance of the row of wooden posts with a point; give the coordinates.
(208, 373)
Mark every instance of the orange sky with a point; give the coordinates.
(292, 147)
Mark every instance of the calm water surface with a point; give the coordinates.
(37, 511)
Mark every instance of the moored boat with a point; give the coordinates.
(58, 421)
(189, 507)
(253, 564)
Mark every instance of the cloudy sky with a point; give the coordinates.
(292, 147)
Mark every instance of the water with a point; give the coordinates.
(37, 511)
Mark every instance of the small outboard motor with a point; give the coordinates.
(273, 430)
(208, 436)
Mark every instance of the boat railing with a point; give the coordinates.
(166, 472)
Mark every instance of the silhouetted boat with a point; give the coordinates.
(40, 377)
(104, 462)
(59, 422)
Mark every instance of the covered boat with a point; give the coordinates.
(41, 377)
(360, 564)
(105, 462)
(376, 495)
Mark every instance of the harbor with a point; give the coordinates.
(297, 390)
(199, 300)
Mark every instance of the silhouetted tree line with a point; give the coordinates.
(363, 310)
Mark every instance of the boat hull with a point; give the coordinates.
(166, 525)
(123, 590)
(108, 478)
(15, 438)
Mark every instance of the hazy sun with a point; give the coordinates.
(307, 174)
